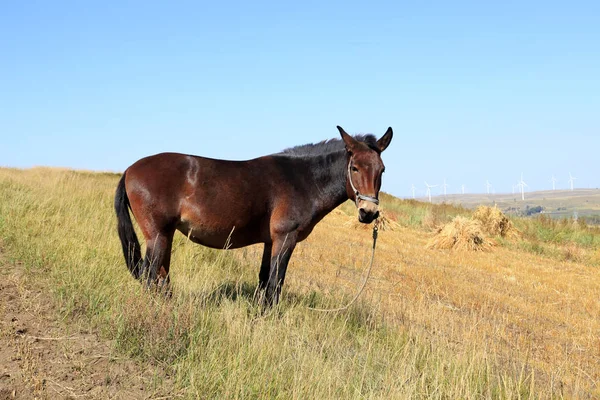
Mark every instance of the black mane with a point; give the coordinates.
(329, 146)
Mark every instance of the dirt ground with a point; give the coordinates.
(42, 357)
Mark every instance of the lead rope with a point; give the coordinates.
(375, 230)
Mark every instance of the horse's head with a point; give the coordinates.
(364, 173)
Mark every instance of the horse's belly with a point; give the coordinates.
(219, 237)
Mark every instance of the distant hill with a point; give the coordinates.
(556, 203)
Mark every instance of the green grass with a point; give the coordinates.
(210, 335)
(564, 231)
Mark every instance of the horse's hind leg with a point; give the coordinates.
(158, 259)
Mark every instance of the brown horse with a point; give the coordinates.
(276, 200)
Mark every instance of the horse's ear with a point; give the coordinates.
(349, 140)
(385, 140)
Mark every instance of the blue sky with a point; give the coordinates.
(473, 90)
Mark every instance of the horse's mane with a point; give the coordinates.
(329, 146)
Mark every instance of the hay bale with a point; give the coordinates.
(461, 234)
(385, 223)
(338, 212)
(572, 252)
(494, 222)
(430, 220)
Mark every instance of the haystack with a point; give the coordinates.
(460, 234)
(385, 223)
(494, 222)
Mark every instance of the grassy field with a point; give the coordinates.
(521, 321)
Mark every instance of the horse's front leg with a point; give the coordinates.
(265, 267)
(263, 276)
(281, 251)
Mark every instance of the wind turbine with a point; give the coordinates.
(488, 186)
(571, 180)
(428, 194)
(444, 186)
(553, 180)
(463, 188)
(412, 189)
(522, 185)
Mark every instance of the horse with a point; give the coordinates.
(275, 199)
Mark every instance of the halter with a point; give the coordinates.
(357, 195)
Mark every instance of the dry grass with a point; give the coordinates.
(469, 325)
(461, 234)
(526, 311)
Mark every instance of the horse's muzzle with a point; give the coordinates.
(367, 217)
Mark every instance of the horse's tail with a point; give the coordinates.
(129, 241)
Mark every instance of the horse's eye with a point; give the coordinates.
(354, 169)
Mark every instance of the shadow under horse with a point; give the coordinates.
(275, 199)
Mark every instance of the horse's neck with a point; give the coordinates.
(330, 174)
